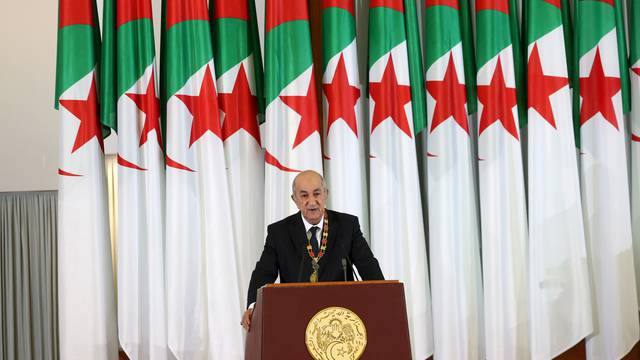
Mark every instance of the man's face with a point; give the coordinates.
(310, 197)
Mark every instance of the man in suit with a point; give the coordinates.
(311, 244)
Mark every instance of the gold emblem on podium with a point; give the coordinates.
(336, 333)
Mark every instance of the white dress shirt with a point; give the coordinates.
(308, 226)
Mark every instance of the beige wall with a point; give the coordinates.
(28, 122)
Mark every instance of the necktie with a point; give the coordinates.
(314, 240)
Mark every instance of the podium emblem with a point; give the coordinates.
(336, 333)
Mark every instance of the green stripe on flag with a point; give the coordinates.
(623, 62)
(468, 53)
(336, 41)
(575, 75)
(230, 31)
(123, 67)
(258, 69)
(233, 41)
(596, 19)
(498, 38)
(416, 70)
(192, 36)
(438, 43)
(77, 54)
(547, 18)
(518, 63)
(136, 51)
(540, 18)
(496, 31)
(567, 28)
(163, 71)
(386, 31)
(107, 84)
(445, 28)
(287, 55)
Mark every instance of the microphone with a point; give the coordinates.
(353, 273)
(344, 268)
(304, 253)
(345, 261)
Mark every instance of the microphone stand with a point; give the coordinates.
(344, 268)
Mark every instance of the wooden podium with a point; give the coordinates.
(283, 311)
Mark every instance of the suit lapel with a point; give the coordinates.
(331, 241)
(298, 235)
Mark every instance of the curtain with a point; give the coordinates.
(28, 276)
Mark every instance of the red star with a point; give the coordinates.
(240, 108)
(307, 107)
(204, 109)
(498, 101)
(596, 92)
(342, 98)
(542, 86)
(450, 98)
(390, 99)
(148, 104)
(87, 112)
(636, 70)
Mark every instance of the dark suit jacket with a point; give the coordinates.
(286, 248)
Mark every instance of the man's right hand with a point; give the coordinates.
(246, 319)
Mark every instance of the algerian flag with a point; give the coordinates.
(291, 131)
(86, 302)
(130, 107)
(634, 61)
(559, 288)
(344, 123)
(605, 187)
(239, 66)
(502, 196)
(454, 233)
(397, 229)
(203, 295)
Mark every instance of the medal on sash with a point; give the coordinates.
(323, 246)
